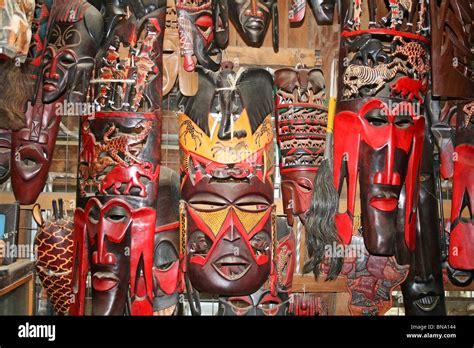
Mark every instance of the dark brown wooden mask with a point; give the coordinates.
(252, 19)
(74, 33)
(302, 117)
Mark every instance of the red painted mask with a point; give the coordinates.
(119, 169)
(383, 150)
(75, 30)
(196, 32)
(461, 241)
(116, 237)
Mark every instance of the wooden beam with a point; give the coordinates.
(265, 56)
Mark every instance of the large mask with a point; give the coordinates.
(423, 291)
(384, 151)
(252, 18)
(226, 140)
(116, 226)
(461, 241)
(302, 118)
(196, 32)
(75, 30)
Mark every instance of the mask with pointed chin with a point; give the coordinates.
(252, 19)
(227, 168)
(383, 150)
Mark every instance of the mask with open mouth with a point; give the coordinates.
(273, 298)
(252, 19)
(119, 167)
(75, 30)
(227, 185)
(302, 118)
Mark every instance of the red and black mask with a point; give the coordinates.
(228, 235)
(227, 168)
(166, 248)
(119, 169)
(75, 30)
(5, 150)
(252, 18)
(384, 151)
(273, 298)
(302, 117)
(113, 232)
(461, 241)
(196, 32)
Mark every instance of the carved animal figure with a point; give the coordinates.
(130, 176)
(192, 131)
(407, 86)
(366, 48)
(469, 111)
(357, 76)
(398, 8)
(415, 54)
(125, 143)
